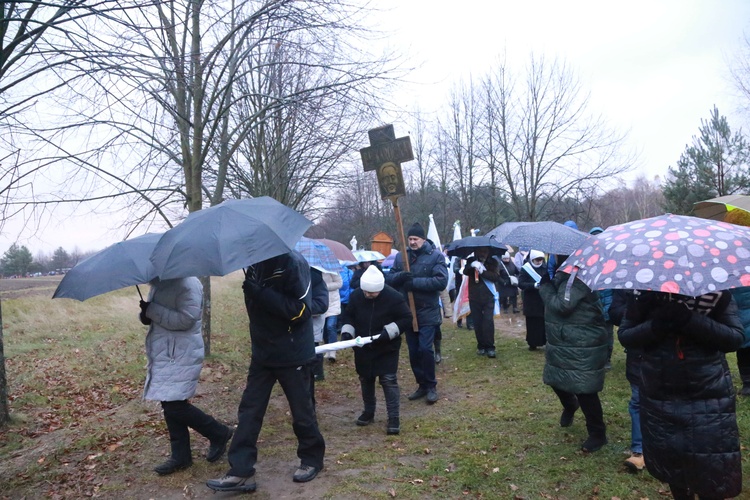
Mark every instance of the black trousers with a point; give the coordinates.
(484, 323)
(679, 493)
(743, 364)
(295, 382)
(180, 416)
(389, 383)
(591, 407)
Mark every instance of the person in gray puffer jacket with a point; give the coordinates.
(174, 348)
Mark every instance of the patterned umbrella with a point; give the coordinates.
(318, 255)
(368, 255)
(669, 253)
(340, 250)
(546, 236)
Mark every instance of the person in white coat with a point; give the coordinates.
(333, 282)
(174, 348)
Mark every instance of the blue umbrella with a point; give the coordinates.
(223, 238)
(318, 255)
(120, 265)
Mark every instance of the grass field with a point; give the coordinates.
(81, 430)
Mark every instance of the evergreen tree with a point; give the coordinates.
(716, 164)
(60, 259)
(16, 260)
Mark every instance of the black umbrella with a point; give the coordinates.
(234, 234)
(123, 264)
(466, 246)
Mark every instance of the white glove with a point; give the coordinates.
(513, 281)
(478, 266)
(536, 285)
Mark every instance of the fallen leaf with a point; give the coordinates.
(392, 492)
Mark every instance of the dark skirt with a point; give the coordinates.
(535, 335)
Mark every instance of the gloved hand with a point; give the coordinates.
(346, 336)
(383, 339)
(399, 278)
(408, 285)
(478, 266)
(251, 288)
(670, 316)
(142, 315)
(513, 281)
(536, 285)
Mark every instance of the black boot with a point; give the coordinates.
(438, 356)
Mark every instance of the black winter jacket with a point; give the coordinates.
(690, 435)
(479, 292)
(430, 277)
(532, 301)
(281, 329)
(365, 317)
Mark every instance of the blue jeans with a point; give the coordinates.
(422, 356)
(329, 330)
(634, 408)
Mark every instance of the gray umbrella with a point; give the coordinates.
(234, 234)
(120, 265)
(547, 236)
(501, 231)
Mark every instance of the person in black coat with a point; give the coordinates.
(533, 306)
(377, 309)
(508, 288)
(483, 273)
(690, 435)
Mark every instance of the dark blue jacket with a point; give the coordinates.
(430, 277)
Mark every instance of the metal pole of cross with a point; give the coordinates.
(385, 155)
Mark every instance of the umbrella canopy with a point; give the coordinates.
(547, 236)
(318, 255)
(717, 208)
(670, 253)
(368, 255)
(120, 265)
(388, 262)
(340, 250)
(465, 246)
(501, 231)
(234, 234)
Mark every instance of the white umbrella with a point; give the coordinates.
(368, 255)
(343, 344)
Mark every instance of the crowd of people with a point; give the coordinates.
(682, 404)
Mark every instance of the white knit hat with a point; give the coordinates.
(372, 280)
(536, 254)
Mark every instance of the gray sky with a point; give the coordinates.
(654, 69)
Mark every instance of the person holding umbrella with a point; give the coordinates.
(531, 275)
(278, 302)
(483, 275)
(374, 309)
(174, 348)
(428, 275)
(687, 400)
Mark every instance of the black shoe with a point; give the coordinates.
(593, 443)
(305, 473)
(481, 352)
(232, 483)
(172, 466)
(566, 419)
(432, 396)
(745, 391)
(366, 418)
(394, 426)
(216, 450)
(419, 393)
(532, 348)
(491, 353)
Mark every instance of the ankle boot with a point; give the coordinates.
(394, 426)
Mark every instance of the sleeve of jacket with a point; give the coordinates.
(319, 304)
(468, 270)
(355, 279)
(721, 330)
(633, 334)
(493, 271)
(294, 302)
(397, 267)
(525, 282)
(401, 314)
(188, 308)
(437, 281)
(617, 306)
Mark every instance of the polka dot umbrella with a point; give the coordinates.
(669, 253)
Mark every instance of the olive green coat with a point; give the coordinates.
(577, 341)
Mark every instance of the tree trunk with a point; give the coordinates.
(4, 410)
(206, 321)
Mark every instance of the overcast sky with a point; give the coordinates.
(654, 69)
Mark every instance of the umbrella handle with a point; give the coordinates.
(139, 291)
